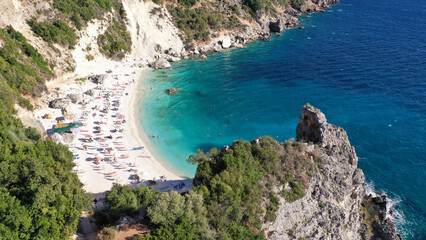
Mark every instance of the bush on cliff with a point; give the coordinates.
(22, 69)
(196, 23)
(56, 32)
(233, 192)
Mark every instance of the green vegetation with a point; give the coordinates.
(40, 198)
(171, 213)
(22, 69)
(107, 234)
(296, 4)
(234, 182)
(187, 3)
(89, 57)
(197, 23)
(113, 43)
(229, 189)
(57, 32)
(85, 10)
(116, 40)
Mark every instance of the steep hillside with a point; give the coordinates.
(305, 189)
(71, 33)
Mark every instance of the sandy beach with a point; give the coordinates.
(111, 146)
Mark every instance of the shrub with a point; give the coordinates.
(57, 32)
(107, 234)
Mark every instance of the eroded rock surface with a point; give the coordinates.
(334, 204)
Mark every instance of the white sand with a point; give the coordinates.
(100, 178)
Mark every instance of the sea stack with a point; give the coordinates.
(335, 205)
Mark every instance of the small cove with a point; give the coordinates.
(362, 66)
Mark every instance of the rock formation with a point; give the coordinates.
(162, 63)
(60, 103)
(335, 202)
(172, 91)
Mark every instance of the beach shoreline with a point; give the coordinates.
(132, 160)
(138, 93)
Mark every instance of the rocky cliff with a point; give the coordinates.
(335, 205)
(153, 31)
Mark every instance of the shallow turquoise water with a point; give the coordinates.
(362, 63)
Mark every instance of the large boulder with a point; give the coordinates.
(75, 97)
(162, 63)
(226, 42)
(60, 103)
(98, 78)
(90, 92)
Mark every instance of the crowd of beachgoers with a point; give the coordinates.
(110, 146)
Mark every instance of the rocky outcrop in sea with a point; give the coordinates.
(336, 205)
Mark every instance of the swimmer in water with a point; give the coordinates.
(220, 134)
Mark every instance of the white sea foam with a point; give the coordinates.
(391, 205)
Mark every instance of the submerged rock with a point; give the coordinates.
(202, 58)
(172, 91)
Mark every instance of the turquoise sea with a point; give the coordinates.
(363, 63)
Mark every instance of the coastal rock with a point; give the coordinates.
(217, 48)
(75, 97)
(283, 22)
(266, 37)
(202, 58)
(98, 79)
(381, 227)
(313, 127)
(226, 42)
(162, 63)
(190, 47)
(59, 103)
(358, 177)
(90, 92)
(335, 200)
(174, 59)
(237, 45)
(172, 91)
(276, 26)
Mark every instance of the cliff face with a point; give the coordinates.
(335, 205)
(154, 32)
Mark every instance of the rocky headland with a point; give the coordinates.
(336, 205)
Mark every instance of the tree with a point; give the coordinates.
(167, 209)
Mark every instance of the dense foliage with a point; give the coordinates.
(40, 198)
(57, 32)
(234, 183)
(114, 42)
(197, 23)
(234, 193)
(22, 69)
(171, 213)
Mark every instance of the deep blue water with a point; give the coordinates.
(361, 62)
